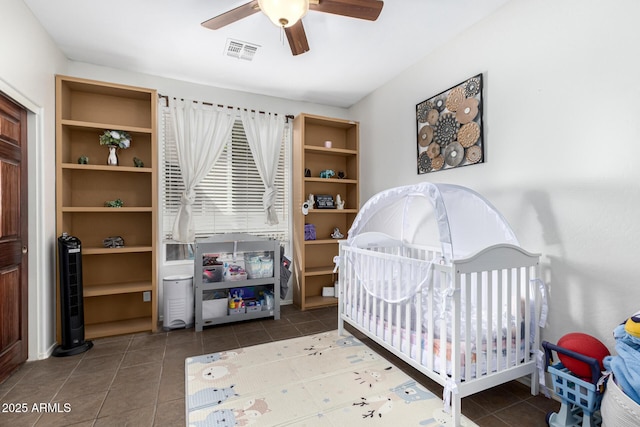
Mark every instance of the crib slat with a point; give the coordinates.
(374, 313)
(479, 289)
(518, 319)
(456, 371)
(500, 326)
(398, 318)
(361, 295)
(527, 314)
(344, 278)
(419, 346)
(411, 326)
(430, 319)
(446, 313)
(490, 343)
(509, 299)
(468, 294)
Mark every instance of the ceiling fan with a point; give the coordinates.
(288, 15)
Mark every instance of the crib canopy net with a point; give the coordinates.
(455, 218)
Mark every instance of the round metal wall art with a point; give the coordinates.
(469, 134)
(439, 103)
(432, 116)
(455, 98)
(472, 87)
(424, 162)
(474, 154)
(433, 150)
(467, 111)
(449, 128)
(446, 129)
(437, 163)
(426, 136)
(421, 112)
(454, 154)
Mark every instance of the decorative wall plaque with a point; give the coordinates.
(449, 128)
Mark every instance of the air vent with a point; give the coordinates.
(240, 50)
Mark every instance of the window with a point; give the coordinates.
(229, 199)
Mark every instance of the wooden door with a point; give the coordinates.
(13, 236)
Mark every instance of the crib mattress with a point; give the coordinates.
(487, 359)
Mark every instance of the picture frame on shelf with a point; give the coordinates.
(325, 201)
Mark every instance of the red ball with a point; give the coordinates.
(583, 344)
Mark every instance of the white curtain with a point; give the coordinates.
(201, 134)
(264, 135)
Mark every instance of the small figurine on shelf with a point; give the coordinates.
(341, 175)
(337, 234)
(327, 173)
(311, 201)
(113, 242)
(83, 160)
(307, 173)
(118, 203)
(138, 163)
(339, 202)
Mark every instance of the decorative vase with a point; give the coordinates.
(113, 156)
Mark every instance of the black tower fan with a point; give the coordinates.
(71, 298)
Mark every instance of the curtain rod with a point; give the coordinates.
(166, 97)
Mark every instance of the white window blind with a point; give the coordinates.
(229, 199)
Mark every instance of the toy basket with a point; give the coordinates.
(618, 409)
(580, 399)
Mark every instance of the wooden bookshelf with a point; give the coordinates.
(313, 259)
(120, 284)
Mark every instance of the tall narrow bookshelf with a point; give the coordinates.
(313, 259)
(120, 284)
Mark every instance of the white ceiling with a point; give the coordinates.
(349, 58)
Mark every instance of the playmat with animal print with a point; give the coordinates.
(316, 380)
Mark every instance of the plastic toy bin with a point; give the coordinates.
(581, 399)
(573, 389)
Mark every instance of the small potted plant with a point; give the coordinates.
(115, 139)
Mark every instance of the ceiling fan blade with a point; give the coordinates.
(361, 9)
(297, 38)
(232, 16)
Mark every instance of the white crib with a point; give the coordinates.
(492, 343)
(467, 322)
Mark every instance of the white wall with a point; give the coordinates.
(562, 146)
(28, 62)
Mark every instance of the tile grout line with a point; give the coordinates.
(112, 380)
(61, 386)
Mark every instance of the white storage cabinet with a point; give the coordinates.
(209, 278)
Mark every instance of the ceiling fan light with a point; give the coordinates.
(284, 13)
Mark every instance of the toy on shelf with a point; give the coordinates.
(327, 173)
(337, 234)
(118, 203)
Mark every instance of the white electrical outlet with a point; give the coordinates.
(146, 296)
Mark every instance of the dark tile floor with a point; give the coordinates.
(138, 380)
